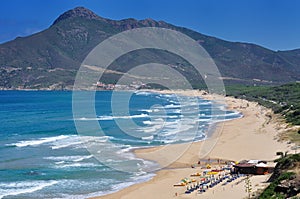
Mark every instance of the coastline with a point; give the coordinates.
(253, 136)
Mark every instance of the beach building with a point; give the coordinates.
(255, 167)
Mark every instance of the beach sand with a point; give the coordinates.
(253, 136)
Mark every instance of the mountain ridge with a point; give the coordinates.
(78, 12)
(53, 56)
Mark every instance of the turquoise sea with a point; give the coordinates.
(42, 155)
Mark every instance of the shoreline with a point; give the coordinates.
(253, 136)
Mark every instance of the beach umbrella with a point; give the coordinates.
(183, 180)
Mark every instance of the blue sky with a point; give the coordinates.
(274, 24)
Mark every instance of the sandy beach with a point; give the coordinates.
(253, 136)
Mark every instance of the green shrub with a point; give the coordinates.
(269, 192)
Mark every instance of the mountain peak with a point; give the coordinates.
(77, 12)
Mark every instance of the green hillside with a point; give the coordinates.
(53, 56)
(284, 99)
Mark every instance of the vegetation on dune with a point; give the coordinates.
(282, 99)
(270, 192)
(285, 180)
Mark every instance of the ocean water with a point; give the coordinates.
(43, 156)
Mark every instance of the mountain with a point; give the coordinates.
(52, 57)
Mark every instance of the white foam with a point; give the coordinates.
(79, 141)
(204, 120)
(16, 188)
(176, 111)
(148, 138)
(187, 139)
(235, 113)
(75, 158)
(224, 120)
(148, 122)
(108, 117)
(111, 160)
(38, 141)
(205, 103)
(142, 93)
(116, 187)
(178, 130)
(124, 117)
(222, 107)
(173, 102)
(79, 159)
(172, 116)
(60, 162)
(169, 106)
(60, 146)
(151, 129)
(70, 165)
(168, 141)
(135, 179)
(155, 110)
